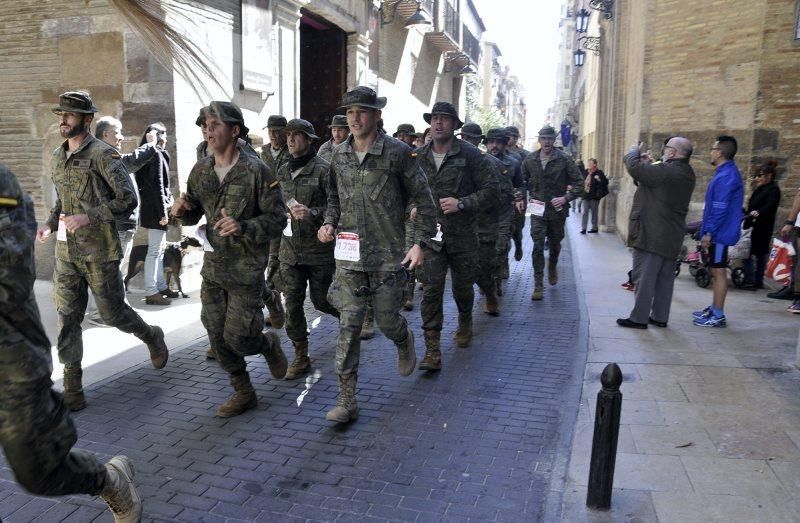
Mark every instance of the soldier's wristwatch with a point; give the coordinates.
(460, 205)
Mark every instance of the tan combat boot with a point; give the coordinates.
(301, 363)
(552, 273)
(406, 355)
(463, 333)
(346, 408)
(211, 354)
(277, 316)
(538, 289)
(368, 328)
(120, 493)
(73, 388)
(159, 354)
(433, 354)
(276, 359)
(243, 398)
(409, 304)
(491, 306)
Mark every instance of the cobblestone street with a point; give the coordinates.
(479, 441)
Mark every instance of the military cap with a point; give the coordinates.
(513, 130)
(339, 120)
(472, 130)
(229, 113)
(201, 118)
(75, 102)
(406, 128)
(303, 126)
(445, 108)
(547, 132)
(276, 122)
(363, 96)
(497, 133)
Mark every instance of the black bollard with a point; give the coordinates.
(604, 442)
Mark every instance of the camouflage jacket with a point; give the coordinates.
(326, 150)
(552, 181)
(509, 180)
(252, 196)
(274, 163)
(466, 174)
(370, 199)
(95, 182)
(308, 186)
(24, 347)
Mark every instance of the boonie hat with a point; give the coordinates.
(275, 122)
(229, 113)
(513, 130)
(303, 126)
(75, 102)
(363, 96)
(406, 128)
(445, 108)
(472, 130)
(338, 120)
(497, 134)
(547, 132)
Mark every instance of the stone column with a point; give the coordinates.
(287, 27)
(358, 60)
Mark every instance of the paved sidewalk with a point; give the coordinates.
(710, 417)
(480, 441)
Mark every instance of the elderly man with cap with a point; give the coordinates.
(339, 133)
(549, 173)
(244, 210)
(305, 261)
(472, 133)
(372, 180)
(93, 188)
(464, 184)
(406, 133)
(512, 188)
(37, 433)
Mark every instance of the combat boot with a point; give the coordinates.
(368, 328)
(433, 354)
(409, 304)
(301, 363)
(120, 493)
(276, 359)
(406, 355)
(463, 333)
(73, 388)
(538, 289)
(243, 398)
(346, 408)
(552, 273)
(211, 354)
(491, 306)
(159, 354)
(517, 251)
(277, 316)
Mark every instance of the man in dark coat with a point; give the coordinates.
(663, 194)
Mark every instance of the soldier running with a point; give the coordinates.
(339, 133)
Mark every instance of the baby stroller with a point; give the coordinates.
(692, 259)
(740, 251)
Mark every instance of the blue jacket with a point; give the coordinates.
(722, 215)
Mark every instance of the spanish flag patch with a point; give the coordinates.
(6, 201)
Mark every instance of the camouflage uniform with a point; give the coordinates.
(36, 431)
(305, 261)
(275, 245)
(231, 292)
(471, 177)
(544, 184)
(91, 181)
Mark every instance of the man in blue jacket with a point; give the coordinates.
(722, 217)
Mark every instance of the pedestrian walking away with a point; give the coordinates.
(464, 184)
(244, 210)
(305, 261)
(372, 180)
(548, 173)
(93, 188)
(662, 197)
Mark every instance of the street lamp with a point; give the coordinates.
(388, 11)
(582, 21)
(580, 57)
(419, 20)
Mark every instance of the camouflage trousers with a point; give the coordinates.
(553, 230)
(233, 319)
(488, 264)
(386, 300)
(517, 224)
(505, 230)
(293, 281)
(433, 274)
(70, 284)
(36, 431)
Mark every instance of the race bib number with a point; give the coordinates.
(347, 247)
(287, 231)
(535, 208)
(438, 236)
(61, 234)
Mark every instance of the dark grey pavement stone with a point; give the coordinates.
(475, 442)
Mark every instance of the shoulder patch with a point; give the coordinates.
(115, 155)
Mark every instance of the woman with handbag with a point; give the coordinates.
(760, 216)
(595, 188)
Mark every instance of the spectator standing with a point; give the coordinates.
(577, 204)
(657, 228)
(156, 200)
(760, 215)
(595, 188)
(722, 217)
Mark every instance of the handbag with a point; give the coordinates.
(779, 266)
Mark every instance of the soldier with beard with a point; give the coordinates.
(339, 133)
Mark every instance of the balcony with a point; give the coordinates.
(471, 45)
(446, 31)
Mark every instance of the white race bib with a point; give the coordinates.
(535, 208)
(347, 247)
(200, 233)
(61, 234)
(438, 236)
(287, 231)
